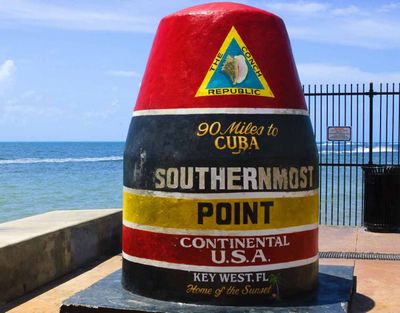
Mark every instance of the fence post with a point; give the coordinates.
(371, 121)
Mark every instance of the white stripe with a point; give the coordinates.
(220, 111)
(231, 195)
(217, 232)
(220, 269)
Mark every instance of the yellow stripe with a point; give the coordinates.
(183, 213)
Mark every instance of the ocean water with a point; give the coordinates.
(342, 187)
(37, 177)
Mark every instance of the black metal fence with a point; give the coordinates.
(354, 125)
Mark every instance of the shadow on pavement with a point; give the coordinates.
(361, 303)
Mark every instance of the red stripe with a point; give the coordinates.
(188, 249)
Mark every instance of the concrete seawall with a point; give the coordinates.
(38, 249)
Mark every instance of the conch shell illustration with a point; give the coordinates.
(235, 68)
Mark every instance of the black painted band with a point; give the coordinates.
(275, 143)
(179, 286)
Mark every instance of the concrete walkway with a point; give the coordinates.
(378, 282)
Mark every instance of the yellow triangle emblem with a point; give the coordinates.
(234, 71)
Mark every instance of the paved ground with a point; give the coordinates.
(378, 282)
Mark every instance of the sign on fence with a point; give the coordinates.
(339, 133)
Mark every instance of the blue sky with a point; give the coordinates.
(71, 70)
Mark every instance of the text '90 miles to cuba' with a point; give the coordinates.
(238, 137)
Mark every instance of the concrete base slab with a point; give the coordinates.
(336, 285)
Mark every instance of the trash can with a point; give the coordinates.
(382, 198)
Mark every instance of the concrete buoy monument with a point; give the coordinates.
(220, 202)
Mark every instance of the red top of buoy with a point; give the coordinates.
(221, 55)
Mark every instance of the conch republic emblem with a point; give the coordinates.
(234, 60)
(220, 202)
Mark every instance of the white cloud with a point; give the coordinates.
(302, 9)
(102, 113)
(373, 26)
(362, 32)
(352, 25)
(31, 107)
(314, 73)
(389, 7)
(82, 17)
(350, 10)
(15, 113)
(298, 7)
(28, 107)
(123, 73)
(7, 70)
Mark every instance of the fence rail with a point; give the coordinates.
(372, 116)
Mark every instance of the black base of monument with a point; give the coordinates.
(336, 285)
